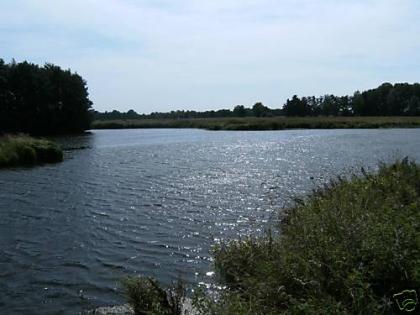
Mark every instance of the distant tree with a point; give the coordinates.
(413, 108)
(259, 110)
(382, 93)
(375, 100)
(223, 113)
(358, 104)
(131, 114)
(330, 105)
(6, 98)
(345, 106)
(239, 111)
(387, 99)
(297, 107)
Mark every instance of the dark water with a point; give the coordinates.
(154, 201)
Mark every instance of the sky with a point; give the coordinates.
(163, 55)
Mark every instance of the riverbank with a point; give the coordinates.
(351, 247)
(22, 150)
(264, 123)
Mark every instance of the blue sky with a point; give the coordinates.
(165, 55)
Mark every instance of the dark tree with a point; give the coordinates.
(387, 99)
(42, 100)
(259, 110)
(239, 111)
(401, 99)
(358, 104)
(297, 107)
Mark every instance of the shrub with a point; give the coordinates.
(146, 296)
(24, 150)
(346, 249)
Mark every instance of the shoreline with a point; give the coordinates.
(264, 123)
(326, 255)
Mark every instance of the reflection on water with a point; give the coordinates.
(154, 201)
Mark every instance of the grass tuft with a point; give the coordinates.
(147, 297)
(22, 150)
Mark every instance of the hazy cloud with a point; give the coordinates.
(164, 55)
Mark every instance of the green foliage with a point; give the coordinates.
(226, 304)
(346, 249)
(147, 297)
(239, 111)
(259, 110)
(42, 100)
(297, 107)
(23, 150)
(401, 99)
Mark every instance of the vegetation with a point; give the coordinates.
(352, 247)
(346, 249)
(23, 150)
(401, 99)
(258, 110)
(146, 297)
(263, 123)
(42, 100)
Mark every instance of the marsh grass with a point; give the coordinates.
(147, 297)
(264, 123)
(22, 150)
(346, 249)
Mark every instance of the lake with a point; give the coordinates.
(154, 201)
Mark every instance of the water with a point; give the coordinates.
(153, 202)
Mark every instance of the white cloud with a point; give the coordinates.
(163, 55)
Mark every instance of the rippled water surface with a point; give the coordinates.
(154, 201)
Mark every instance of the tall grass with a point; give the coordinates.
(263, 123)
(349, 248)
(21, 150)
(147, 297)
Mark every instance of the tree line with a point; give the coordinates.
(258, 110)
(401, 99)
(42, 100)
(50, 100)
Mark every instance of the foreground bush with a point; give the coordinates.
(346, 249)
(147, 297)
(24, 151)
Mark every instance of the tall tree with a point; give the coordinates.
(42, 100)
(297, 107)
(239, 111)
(259, 110)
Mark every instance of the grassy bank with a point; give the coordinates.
(263, 123)
(23, 150)
(348, 248)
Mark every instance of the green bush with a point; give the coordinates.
(22, 150)
(147, 297)
(346, 249)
